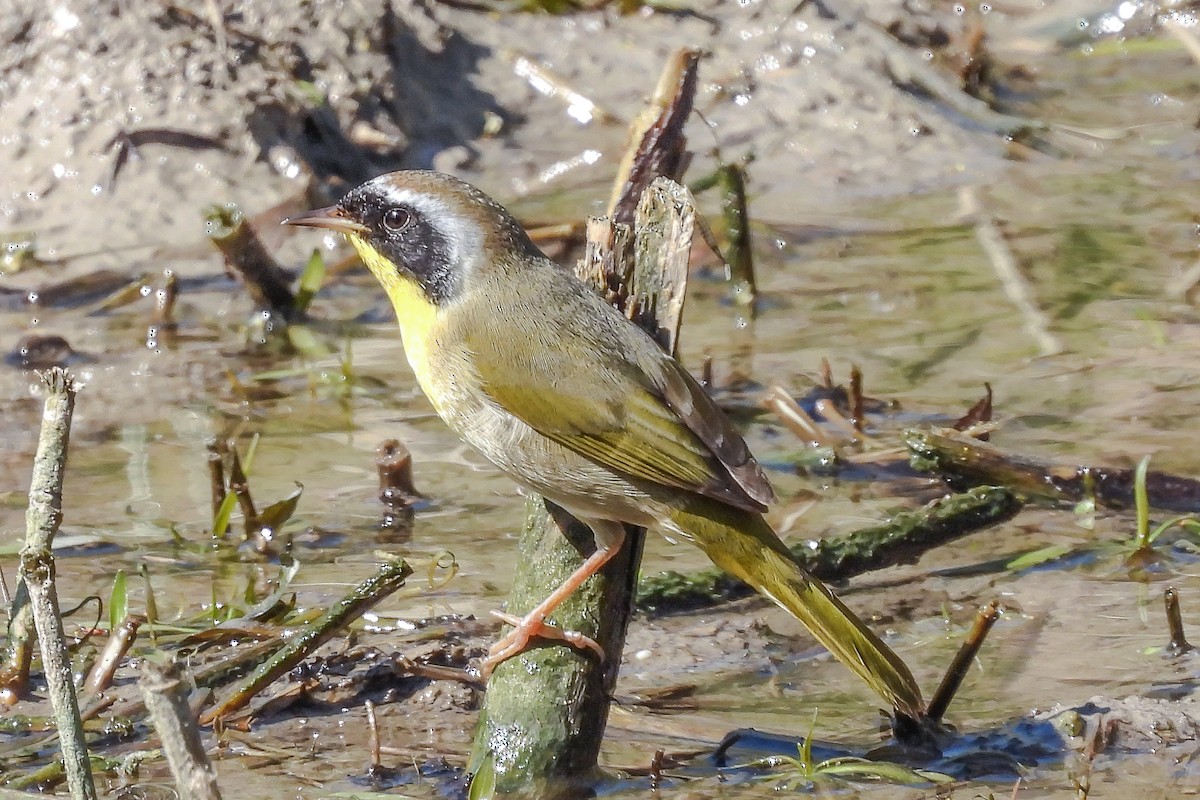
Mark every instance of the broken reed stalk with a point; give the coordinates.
(1178, 642)
(216, 475)
(656, 143)
(246, 257)
(394, 465)
(964, 461)
(167, 703)
(100, 676)
(37, 574)
(546, 708)
(958, 668)
(373, 751)
(738, 254)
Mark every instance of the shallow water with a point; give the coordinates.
(898, 286)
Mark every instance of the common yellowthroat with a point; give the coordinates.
(572, 400)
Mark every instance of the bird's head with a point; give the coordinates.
(424, 230)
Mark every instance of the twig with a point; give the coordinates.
(372, 739)
(1178, 643)
(964, 461)
(37, 573)
(389, 578)
(796, 419)
(957, 670)
(1015, 285)
(247, 258)
(738, 255)
(100, 677)
(216, 475)
(166, 702)
(908, 70)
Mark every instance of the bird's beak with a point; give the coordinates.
(332, 218)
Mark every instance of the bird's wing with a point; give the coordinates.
(608, 393)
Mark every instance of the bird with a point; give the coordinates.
(558, 389)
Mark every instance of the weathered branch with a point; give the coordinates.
(166, 701)
(37, 574)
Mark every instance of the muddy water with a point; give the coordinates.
(899, 286)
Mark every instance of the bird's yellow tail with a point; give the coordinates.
(743, 544)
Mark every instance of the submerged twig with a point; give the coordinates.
(37, 574)
(907, 70)
(1016, 286)
(1185, 35)
(166, 702)
(13, 794)
(579, 106)
(389, 578)
(958, 668)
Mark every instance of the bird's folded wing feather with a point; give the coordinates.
(640, 414)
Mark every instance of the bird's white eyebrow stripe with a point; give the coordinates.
(464, 241)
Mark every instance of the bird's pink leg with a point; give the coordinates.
(533, 625)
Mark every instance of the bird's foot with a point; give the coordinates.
(530, 627)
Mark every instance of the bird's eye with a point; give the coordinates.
(396, 219)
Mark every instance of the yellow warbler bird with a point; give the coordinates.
(575, 402)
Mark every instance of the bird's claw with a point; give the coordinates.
(524, 630)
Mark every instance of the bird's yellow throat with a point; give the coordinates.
(415, 312)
